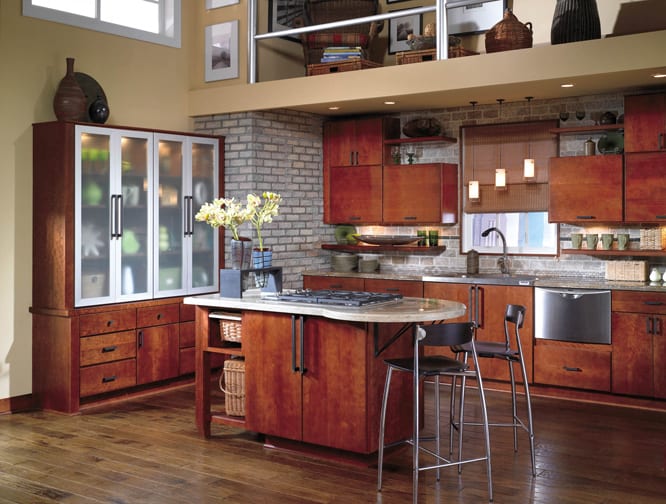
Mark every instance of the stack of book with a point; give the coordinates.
(341, 54)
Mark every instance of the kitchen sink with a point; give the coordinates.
(482, 278)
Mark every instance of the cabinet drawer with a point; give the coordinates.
(100, 323)
(187, 312)
(107, 377)
(638, 302)
(407, 288)
(107, 348)
(565, 366)
(158, 315)
(335, 283)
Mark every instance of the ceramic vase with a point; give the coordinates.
(69, 102)
(575, 20)
(241, 253)
(98, 110)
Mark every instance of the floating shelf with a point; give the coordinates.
(616, 253)
(373, 249)
(396, 141)
(599, 128)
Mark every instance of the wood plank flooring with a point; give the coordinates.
(147, 451)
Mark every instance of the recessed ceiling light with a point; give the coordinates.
(567, 85)
(389, 103)
(659, 75)
(333, 108)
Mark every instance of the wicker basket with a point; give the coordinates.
(230, 330)
(630, 271)
(234, 386)
(653, 239)
(509, 34)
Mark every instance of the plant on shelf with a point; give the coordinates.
(262, 212)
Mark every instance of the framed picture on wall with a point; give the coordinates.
(221, 51)
(475, 18)
(282, 13)
(214, 4)
(400, 28)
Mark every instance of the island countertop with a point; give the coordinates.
(407, 309)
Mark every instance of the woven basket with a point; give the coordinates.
(230, 330)
(653, 239)
(234, 386)
(509, 34)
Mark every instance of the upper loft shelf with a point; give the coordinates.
(396, 141)
(598, 128)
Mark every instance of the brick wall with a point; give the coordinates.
(282, 151)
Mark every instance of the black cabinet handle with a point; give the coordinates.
(303, 368)
(653, 303)
(354, 218)
(140, 339)
(109, 323)
(108, 379)
(585, 217)
(108, 349)
(159, 316)
(573, 369)
(649, 325)
(657, 325)
(409, 217)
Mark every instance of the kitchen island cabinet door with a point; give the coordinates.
(272, 386)
(585, 189)
(645, 187)
(632, 362)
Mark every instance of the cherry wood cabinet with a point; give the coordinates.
(420, 193)
(317, 381)
(645, 122)
(486, 305)
(333, 283)
(354, 142)
(88, 347)
(639, 343)
(645, 187)
(573, 365)
(586, 189)
(354, 194)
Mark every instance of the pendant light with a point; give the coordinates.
(500, 173)
(473, 193)
(529, 170)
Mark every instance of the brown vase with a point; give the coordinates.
(69, 102)
(509, 34)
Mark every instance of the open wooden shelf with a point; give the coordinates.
(598, 128)
(617, 253)
(373, 249)
(396, 141)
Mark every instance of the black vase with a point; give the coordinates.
(98, 110)
(575, 20)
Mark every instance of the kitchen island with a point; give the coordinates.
(314, 373)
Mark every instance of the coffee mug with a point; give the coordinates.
(623, 241)
(433, 238)
(576, 240)
(591, 240)
(607, 241)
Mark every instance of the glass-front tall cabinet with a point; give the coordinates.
(186, 250)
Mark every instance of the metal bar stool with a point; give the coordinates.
(514, 315)
(421, 366)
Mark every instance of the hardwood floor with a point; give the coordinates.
(147, 451)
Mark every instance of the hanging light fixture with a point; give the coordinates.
(529, 170)
(473, 193)
(500, 173)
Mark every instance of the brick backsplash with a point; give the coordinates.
(282, 151)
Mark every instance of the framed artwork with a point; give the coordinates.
(282, 14)
(400, 28)
(214, 4)
(221, 51)
(475, 17)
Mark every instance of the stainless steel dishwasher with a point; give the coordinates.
(579, 315)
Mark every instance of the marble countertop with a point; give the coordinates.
(534, 280)
(404, 310)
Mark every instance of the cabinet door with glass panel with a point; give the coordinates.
(186, 252)
(113, 215)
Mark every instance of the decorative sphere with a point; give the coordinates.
(98, 110)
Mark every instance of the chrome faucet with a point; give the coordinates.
(502, 262)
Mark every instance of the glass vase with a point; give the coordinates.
(262, 259)
(241, 253)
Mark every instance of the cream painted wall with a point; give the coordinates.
(146, 85)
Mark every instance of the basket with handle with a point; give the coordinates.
(233, 386)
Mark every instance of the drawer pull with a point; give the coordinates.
(572, 369)
(159, 316)
(108, 349)
(587, 217)
(409, 217)
(653, 303)
(108, 379)
(109, 323)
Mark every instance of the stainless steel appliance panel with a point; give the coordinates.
(577, 315)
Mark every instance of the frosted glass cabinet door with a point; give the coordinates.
(204, 243)
(171, 206)
(113, 215)
(93, 248)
